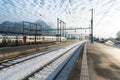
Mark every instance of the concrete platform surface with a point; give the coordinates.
(103, 62)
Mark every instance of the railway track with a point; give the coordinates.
(11, 53)
(55, 69)
(25, 58)
(38, 67)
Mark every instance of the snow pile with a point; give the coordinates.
(109, 43)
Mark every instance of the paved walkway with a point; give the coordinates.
(84, 68)
(103, 62)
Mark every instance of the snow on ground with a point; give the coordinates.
(66, 71)
(112, 44)
(21, 70)
(49, 72)
(27, 57)
(109, 43)
(114, 52)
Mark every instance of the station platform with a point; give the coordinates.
(97, 62)
(103, 62)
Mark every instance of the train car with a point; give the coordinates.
(10, 40)
(23, 40)
(63, 39)
(48, 39)
(39, 39)
(31, 39)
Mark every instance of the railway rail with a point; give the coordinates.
(59, 69)
(39, 66)
(6, 54)
(22, 59)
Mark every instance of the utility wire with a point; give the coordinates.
(105, 13)
(19, 7)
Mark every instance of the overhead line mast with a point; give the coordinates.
(91, 25)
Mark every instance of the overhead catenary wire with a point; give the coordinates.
(32, 15)
(106, 12)
(19, 7)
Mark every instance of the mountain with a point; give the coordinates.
(8, 24)
(19, 25)
(44, 24)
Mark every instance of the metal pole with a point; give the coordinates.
(57, 29)
(30, 29)
(23, 27)
(41, 29)
(35, 33)
(63, 29)
(91, 25)
(60, 30)
(89, 32)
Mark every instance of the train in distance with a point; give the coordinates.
(24, 40)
